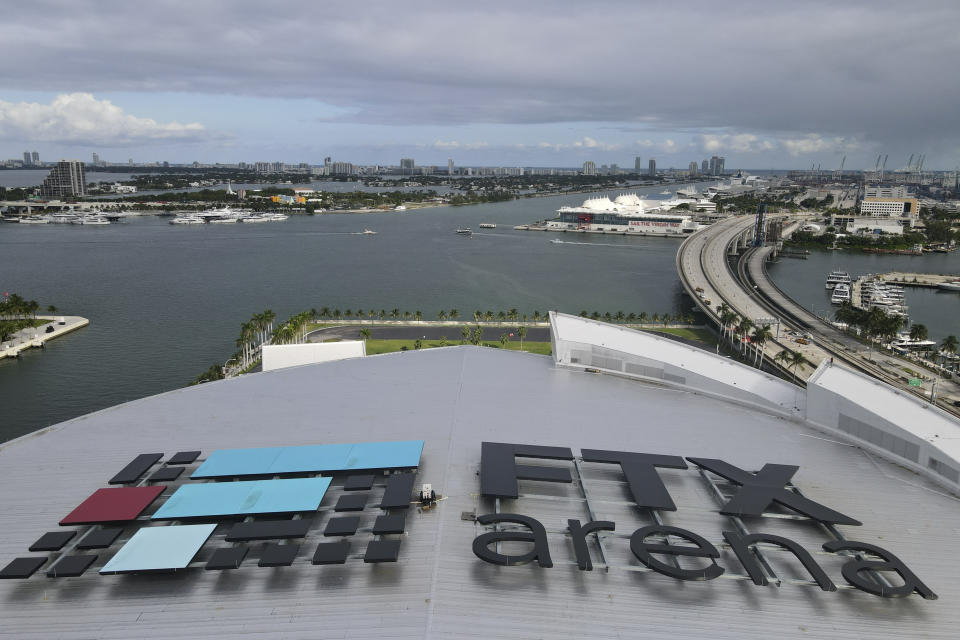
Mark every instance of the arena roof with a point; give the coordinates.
(454, 400)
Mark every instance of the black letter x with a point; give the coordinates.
(759, 490)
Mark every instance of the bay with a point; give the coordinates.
(166, 301)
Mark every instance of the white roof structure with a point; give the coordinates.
(486, 417)
(279, 356)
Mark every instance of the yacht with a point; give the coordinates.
(188, 219)
(367, 232)
(34, 220)
(487, 225)
(96, 219)
(841, 294)
(63, 218)
(465, 231)
(223, 221)
(253, 219)
(838, 277)
(950, 286)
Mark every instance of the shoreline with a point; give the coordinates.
(37, 336)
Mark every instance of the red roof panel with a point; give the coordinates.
(117, 504)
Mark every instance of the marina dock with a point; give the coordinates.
(38, 336)
(933, 280)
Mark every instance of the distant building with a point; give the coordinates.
(342, 169)
(637, 165)
(589, 168)
(693, 168)
(449, 166)
(406, 166)
(96, 159)
(67, 178)
(327, 161)
(880, 191)
(130, 161)
(35, 159)
(705, 167)
(652, 167)
(26, 159)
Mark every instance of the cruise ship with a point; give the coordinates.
(626, 214)
(841, 294)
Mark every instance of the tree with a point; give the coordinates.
(918, 332)
(513, 315)
(501, 316)
(504, 338)
(743, 329)
(584, 314)
(347, 313)
(382, 314)
(365, 333)
(797, 359)
(478, 315)
(521, 333)
(607, 317)
(488, 316)
(760, 336)
(949, 346)
(442, 315)
(644, 317)
(477, 335)
(465, 334)
(443, 341)
(454, 314)
(536, 315)
(619, 316)
(655, 318)
(418, 315)
(631, 317)
(337, 314)
(406, 315)
(51, 309)
(417, 344)
(395, 313)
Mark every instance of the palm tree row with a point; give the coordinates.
(874, 323)
(642, 317)
(14, 307)
(743, 333)
(253, 334)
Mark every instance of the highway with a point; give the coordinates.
(702, 263)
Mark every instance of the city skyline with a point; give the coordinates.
(766, 87)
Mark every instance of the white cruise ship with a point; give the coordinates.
(627, 214)
(838, 277)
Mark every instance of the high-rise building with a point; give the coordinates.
(406, 166)
(96, 159)
(26, 159)
(716, 165)
(589, 168)
(693, 168)
(35, 157)
(705, 167)
(652, 167)
(720, 162)
(67, 178)
(449, 166)
(637, 165)
(327, 161)
(130, 161)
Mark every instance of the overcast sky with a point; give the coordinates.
(766, 84)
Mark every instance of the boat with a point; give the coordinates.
(627, 214)
(188, 219)
(223, 221)
(63, 218)
(556, 241)
(487, 225)
(950, 286)
(841, 294)
(837, 277)
(665, 192)
(34, 220)
(368, 232)
(465, 231)
(94, 219)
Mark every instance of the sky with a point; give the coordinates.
(765, 84)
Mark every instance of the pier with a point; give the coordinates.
(931, 280)
(36, 337)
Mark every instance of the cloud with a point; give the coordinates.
(79, 118)
(739, 142)
(815, 143)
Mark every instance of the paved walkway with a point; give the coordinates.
(36, 336)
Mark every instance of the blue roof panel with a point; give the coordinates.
(310, 459)
(242, 498)
(160, 548)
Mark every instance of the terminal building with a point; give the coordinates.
(627, 213)
(626, 486)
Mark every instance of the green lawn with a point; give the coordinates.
(389, 346)
(700, 335)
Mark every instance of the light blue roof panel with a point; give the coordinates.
(160, 548)
(241, 498)
(310, 459)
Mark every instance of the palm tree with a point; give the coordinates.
(324, 312)
(949, 345)
(783, 357)
(465, 333)
(477, 335)
(406, 315)
(918, 332)
(584, 314)
(619, 316)
(797, 359)
(595, 315)
(372, 314)
(347, 313)
(759, 338)
(655, 318)
(418, 315)
(607, 317)
(454, 314)
(644, 317)
(743, 328)
(365, 333)
(501, 316)
(417, 344)
(536, 315)
(513, 314)
(443, 341)
(521, 333)
(442, 315)
(488, 316)
(51, 309)
(360, 314)
(395, 313)
(631, 317)
(504, 339)
(478, 315)
(337, 314)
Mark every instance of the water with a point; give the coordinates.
(804, 281)
(166, 301)
(17, 178)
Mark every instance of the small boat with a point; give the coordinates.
(665, 193)
(34, 220)
(487, 225)
(950, 286)
(465, 231)
(223, 221)
(368, 232)
(194, 219)
(556, 241)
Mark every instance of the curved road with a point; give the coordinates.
(702, 263)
